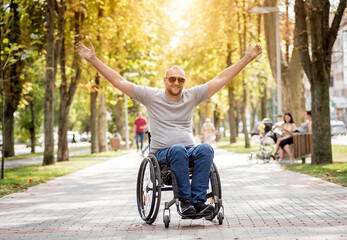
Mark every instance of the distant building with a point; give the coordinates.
(338, 75)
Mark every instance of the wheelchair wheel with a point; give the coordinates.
(220, 218)
(215, 190)
(148, 190)
(166, 221)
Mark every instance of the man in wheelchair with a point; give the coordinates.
(170, 113)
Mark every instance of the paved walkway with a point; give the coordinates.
(261, 201)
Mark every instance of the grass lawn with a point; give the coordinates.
(339, 153)
(19, 179)
(238, 147)
(336, 172)
(39, 154)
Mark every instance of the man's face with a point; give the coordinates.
(174, 82)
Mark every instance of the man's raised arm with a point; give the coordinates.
(111, 75)
(229, 73)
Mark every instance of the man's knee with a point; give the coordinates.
(206, 149)
(177, 153)
(175, 149)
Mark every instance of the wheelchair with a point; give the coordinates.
(153, 178)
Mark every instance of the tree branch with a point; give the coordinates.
(301, 33)
(5, 64)
(12, 77)
(336, 23)
(56, 6)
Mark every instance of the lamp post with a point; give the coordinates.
(126, 110)
(264, 10)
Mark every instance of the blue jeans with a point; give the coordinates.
(142, 137)
(144, 150)
(178, 157)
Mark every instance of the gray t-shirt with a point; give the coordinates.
(303, 127)
(170, 122)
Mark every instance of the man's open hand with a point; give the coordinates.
(85, 52)
(254, 51)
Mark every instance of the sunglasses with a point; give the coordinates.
(179, 79)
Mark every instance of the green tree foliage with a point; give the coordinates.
(208, 42)
(124, 39)
(20, 46)
(30, 110)
(145, 37)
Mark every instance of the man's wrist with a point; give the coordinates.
(93, 59)
(248, 57)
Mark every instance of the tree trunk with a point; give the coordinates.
(292, 87)
(263, 100)
(119, 116)
(48, 156)
(232, 120)
(262, 80)
(231, 97)
(64, 108)
(102, 123)
(237, 118)
(242, 43)
(243, 118)
(254, 108)
(67, 92)
(59, 40)
(13, 85)
(200, 122)
(9, 132)
(93, 116)
(32, 127)
(216, 116)
(63, 127)
(321, 135)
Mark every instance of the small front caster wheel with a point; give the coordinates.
(166, 221)
(220, 218)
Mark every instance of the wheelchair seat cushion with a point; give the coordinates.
(165, 172)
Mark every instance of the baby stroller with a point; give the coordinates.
(264, 134)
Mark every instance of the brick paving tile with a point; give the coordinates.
(261, 201)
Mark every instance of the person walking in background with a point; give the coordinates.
(144, 150)
(208, 132)
(140, 125)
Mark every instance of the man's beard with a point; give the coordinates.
(174, 94)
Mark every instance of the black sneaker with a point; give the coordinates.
(201, 207)
(187, 207)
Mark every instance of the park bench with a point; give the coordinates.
(302, 145)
